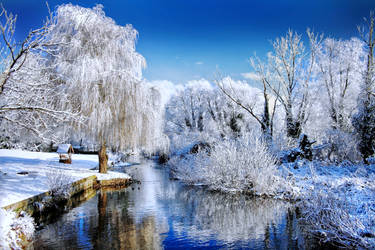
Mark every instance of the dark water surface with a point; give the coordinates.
(161, 213)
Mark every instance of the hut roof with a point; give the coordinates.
(64, 148)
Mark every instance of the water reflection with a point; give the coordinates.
(160, 213)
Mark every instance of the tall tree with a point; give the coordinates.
(339, 65)
(364, 120)
(98, 62)
(293, 68)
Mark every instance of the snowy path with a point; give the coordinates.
(16, 187)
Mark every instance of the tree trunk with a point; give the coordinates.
(103, 159)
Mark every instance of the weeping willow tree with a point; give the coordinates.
(102, 72)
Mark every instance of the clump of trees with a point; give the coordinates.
(302, 86)
(321, 95)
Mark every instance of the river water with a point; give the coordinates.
(160, 213)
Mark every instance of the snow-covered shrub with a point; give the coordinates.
(13, 229)
(59, 184)
(244, 164)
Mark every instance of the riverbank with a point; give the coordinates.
(33, 183)
(25, 174)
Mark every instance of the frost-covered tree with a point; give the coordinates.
(364, 120)
(97, 61)
(293, 67)
(28, 93)
(250, 104)
(248, 101)
(339, 65)
(187, 109)
(200, 108)
(334, 92)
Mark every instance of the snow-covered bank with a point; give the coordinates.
(35, 169)
(337, 202)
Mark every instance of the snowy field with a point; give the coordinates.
(15, 187)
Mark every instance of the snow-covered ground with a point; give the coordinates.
(308, 176)
(15, 187)
(338, 201)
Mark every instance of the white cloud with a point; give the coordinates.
(199, 63)
(166, 89)
(251, 76)
(201, 84)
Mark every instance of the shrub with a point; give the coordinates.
(242, 164)
(59, 184)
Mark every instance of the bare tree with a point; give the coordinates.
(265, 118)
(13, 55)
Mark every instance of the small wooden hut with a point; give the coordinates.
(65, 152)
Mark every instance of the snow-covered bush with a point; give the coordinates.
(244, 164)
(14, 230)
(59, 184)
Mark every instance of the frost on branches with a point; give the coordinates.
(200, 108)
(28, 92)
(338, 73)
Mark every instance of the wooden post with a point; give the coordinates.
(103, 159)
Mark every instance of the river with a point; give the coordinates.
(160, 213)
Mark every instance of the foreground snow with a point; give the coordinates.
(15, 187)
(338, 202)
(13, 228)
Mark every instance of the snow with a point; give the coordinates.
(345, 192)
(16, 187)
(63, 148)
(12, 227)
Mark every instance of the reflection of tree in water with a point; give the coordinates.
(202, 215)
(160, 212)
(104, 222)
(117, 227)
(237, 218)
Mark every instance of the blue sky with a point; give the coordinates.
(192, 39)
